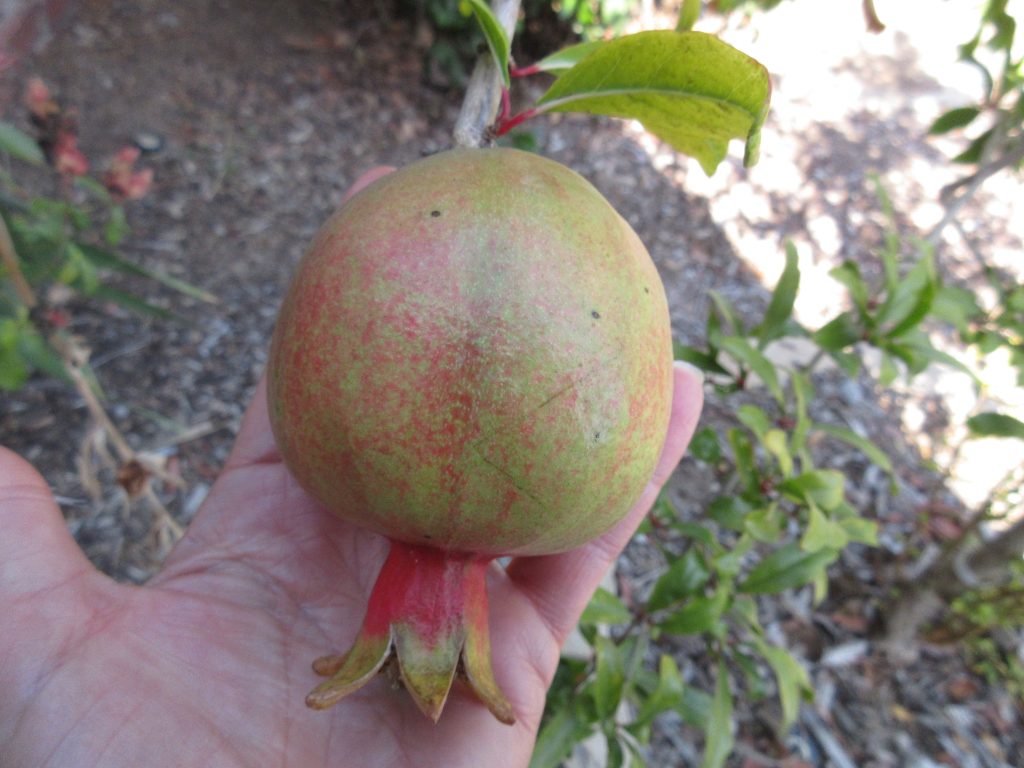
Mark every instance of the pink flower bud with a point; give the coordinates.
(67, 157)
(38, 99)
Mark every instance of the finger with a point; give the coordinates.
(255, 442)
(559, 586)
(366, 180)
(36, 550)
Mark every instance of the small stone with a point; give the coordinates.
(148, 142)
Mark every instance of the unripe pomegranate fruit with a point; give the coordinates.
(474, 360)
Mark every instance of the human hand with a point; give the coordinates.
(209, 663)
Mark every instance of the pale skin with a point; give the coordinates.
(209, 663)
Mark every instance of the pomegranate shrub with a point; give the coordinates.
(473, 360)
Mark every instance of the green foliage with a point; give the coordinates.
(783, 520)
(594, 19)
(1000, 110)
(68, 240)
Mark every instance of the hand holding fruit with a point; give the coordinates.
(208, 664)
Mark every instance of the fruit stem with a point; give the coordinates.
(428, 612)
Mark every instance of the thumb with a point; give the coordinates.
(36, 551)
(48, 589)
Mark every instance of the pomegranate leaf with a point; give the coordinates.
(719, 732)
(109, 260)
(786, 568)
(19, 145)
(494, 34)
(688, 88)
(567, 58)
(991, 424)
(794, 684)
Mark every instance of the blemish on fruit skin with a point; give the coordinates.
(595, 314)
(435, 214)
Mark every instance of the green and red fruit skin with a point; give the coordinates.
(474, 360)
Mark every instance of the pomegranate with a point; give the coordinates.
(474, 360)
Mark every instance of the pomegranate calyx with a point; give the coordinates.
(428, 611)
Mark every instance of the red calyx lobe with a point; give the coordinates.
(427, 612)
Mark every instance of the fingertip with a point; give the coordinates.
(366, 180)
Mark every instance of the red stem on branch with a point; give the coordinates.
(532, 69)
(503, 126)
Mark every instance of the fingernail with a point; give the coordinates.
(690, 368)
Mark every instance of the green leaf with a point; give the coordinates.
(955, 118)
(776, 444)
(887, 371)
(780, 308)
(859, 529)
(20, 145)
(605, 608)
(728, 563)
(794, 683)
(840, 332)
(704, 446)
(117, 226)
(743, 454)
(108, 260)
(567, 58)
(848, 273)
(754, 419)
(822, 533)
(729, 512)
(559, 734)
(40, 355)
(93, 187)
(695, 708)
(718, 734)
(685, 577)
(910, 300)
(698, 533)
(740, 349)
(668, 695)
(609, 678)
(765, 524)
(134, 303)
(494, 34)
(975, 149)
(786, 568)
(865, 446)
(727, 313)
(689, 88)
(703, 360)
(700, 614)
(80, 270)
(803, 393)
(823, 487)
(992, 424)
(13, 368)
(956, 306)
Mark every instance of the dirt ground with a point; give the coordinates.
(266, 111)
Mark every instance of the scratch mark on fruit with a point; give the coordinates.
(510, 477)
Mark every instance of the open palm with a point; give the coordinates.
(209, 663)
